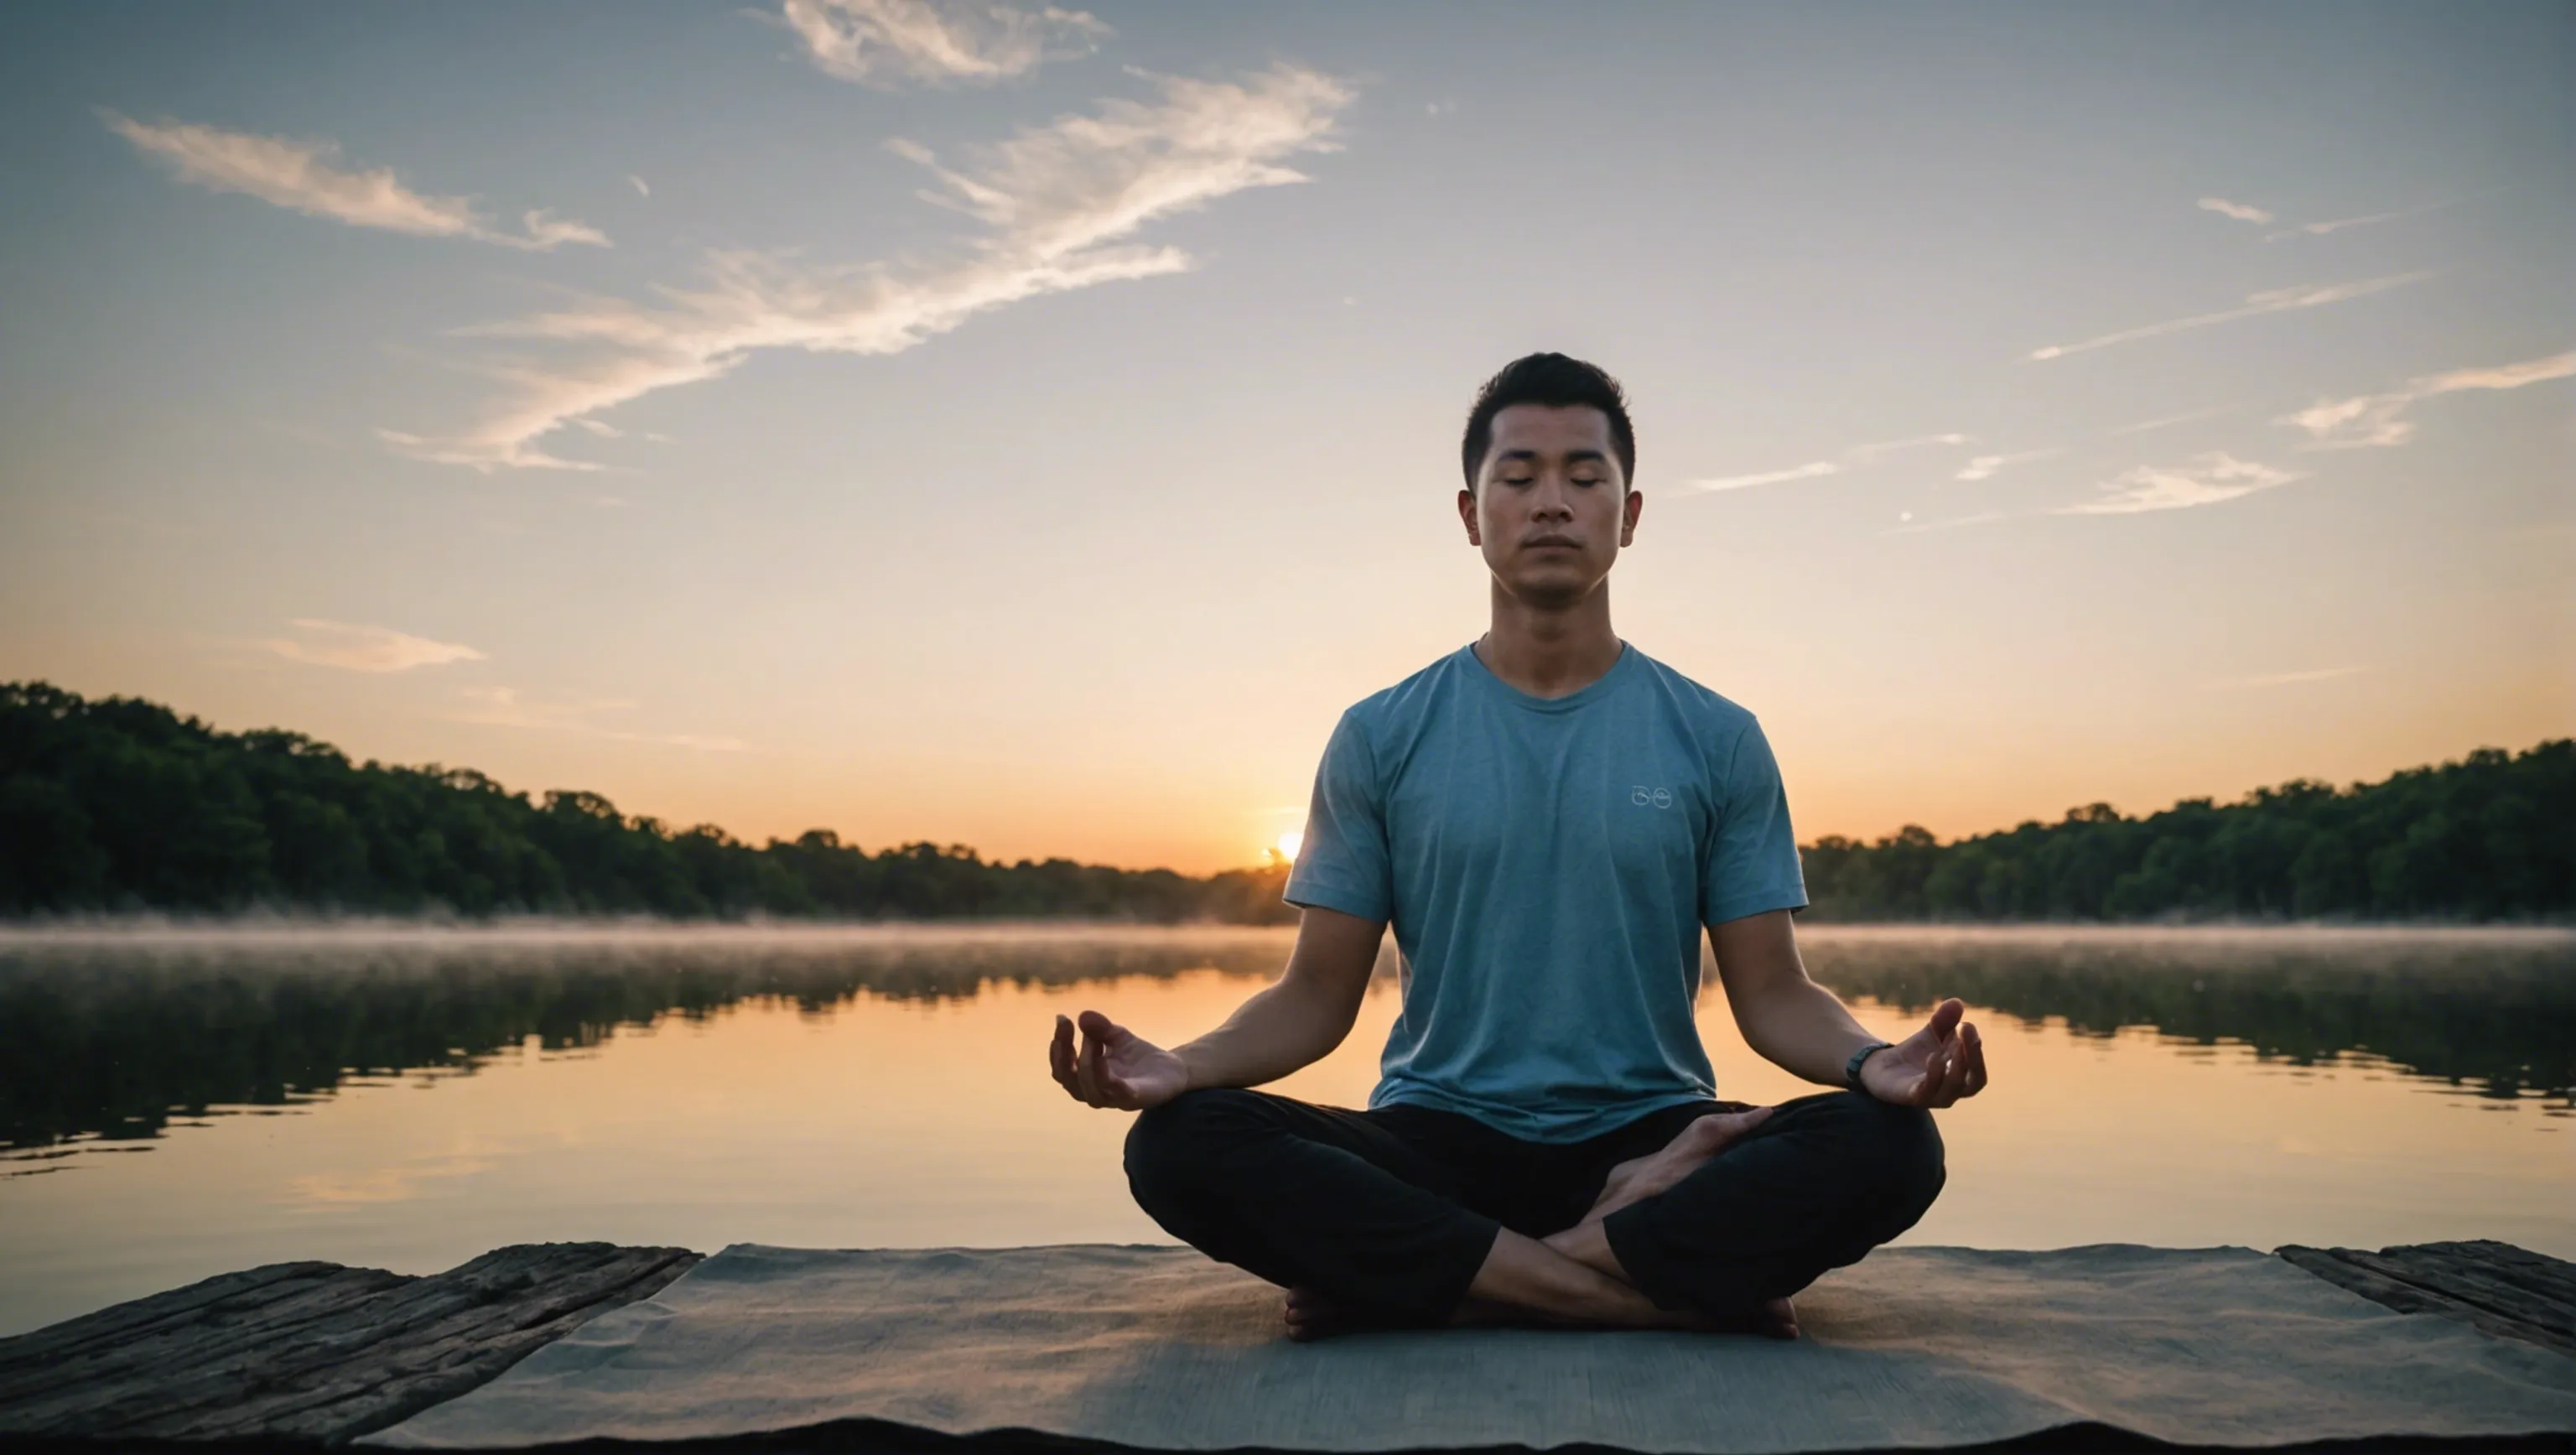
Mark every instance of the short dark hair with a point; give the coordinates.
(1558, 382)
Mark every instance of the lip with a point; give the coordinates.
(1547, 543)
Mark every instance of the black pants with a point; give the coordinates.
(1394, 1210)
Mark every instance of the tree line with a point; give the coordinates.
(2492, 836)
(119, 803)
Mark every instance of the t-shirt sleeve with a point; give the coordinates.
(1342, 861)
(1752, 860)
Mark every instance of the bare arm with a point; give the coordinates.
(1302, 1015)
(1296, 1021)
(1801, 1027)
(1788, 1019)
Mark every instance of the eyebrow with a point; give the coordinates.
(1572, 457)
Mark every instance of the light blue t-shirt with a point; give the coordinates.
(1547, 864)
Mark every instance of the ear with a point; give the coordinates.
(1467, 513)
(1629, 509)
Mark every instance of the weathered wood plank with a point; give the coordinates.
(110, 1326)
(2498, 1288)
(2475, 1281)
(438, 1350)
(2554, 1279)
(311, 1351)
(111, 1353)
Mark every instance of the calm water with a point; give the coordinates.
(174, 1107)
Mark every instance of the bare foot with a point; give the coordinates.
(1312, 1315)
(1775, 1319)
(1639, 1178)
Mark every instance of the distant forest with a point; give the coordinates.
(121, 804)
(2490, 837)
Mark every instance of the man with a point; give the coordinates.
(1548, 818)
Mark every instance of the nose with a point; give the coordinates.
(1551, 501)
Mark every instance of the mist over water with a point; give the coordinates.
(121, 1027)
(407, 1096)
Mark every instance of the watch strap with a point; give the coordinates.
(1851, 1068)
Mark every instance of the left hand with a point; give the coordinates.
(1932, 1068)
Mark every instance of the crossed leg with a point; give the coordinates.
(1368, 1229)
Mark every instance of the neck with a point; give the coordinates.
(1550, 651)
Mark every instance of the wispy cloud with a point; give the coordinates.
(1869, 453)
(642, 188)
(2242, 212)
(2206, 480)
(365, 648)
(1909, 526)
(1809, 471)
(951, 42)
(504, 707)
(2498, 376)
(2166, 421)
(2333, 225)
(2365, 421)
(2276, 300)
(1856, 457)
(1057, 202)
(2284, 679)
(2368, 421)
(1983, 467)
(299, 176)
(2320, 229)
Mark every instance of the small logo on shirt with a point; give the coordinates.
(1645, 797)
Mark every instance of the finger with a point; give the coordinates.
(1060, 1057)
(1976, 1048)
(1732, 1126)
(1104, 1038)
(1060, 1050)
(1954, 1077)
(1945, 1018)
(1088, 1070)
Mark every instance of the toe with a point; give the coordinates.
(1779, 1319)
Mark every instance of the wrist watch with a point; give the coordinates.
(1851, 1068)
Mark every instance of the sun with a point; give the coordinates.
(1286, 848)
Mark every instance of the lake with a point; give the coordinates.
(177, 1104)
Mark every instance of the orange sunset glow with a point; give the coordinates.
(1990, 500)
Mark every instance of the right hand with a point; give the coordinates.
(1115, 1067)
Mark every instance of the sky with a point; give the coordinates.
(1030, 427)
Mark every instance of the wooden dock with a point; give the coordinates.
(309, 1353)
(2506, 1291)
(316, 1354)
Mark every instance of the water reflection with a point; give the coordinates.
(118, 1039)
(2493, 1013)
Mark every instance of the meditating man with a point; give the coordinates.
(1548, 817)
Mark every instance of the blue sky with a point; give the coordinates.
(1026, 429)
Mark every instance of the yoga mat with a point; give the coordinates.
(1160, 1348)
